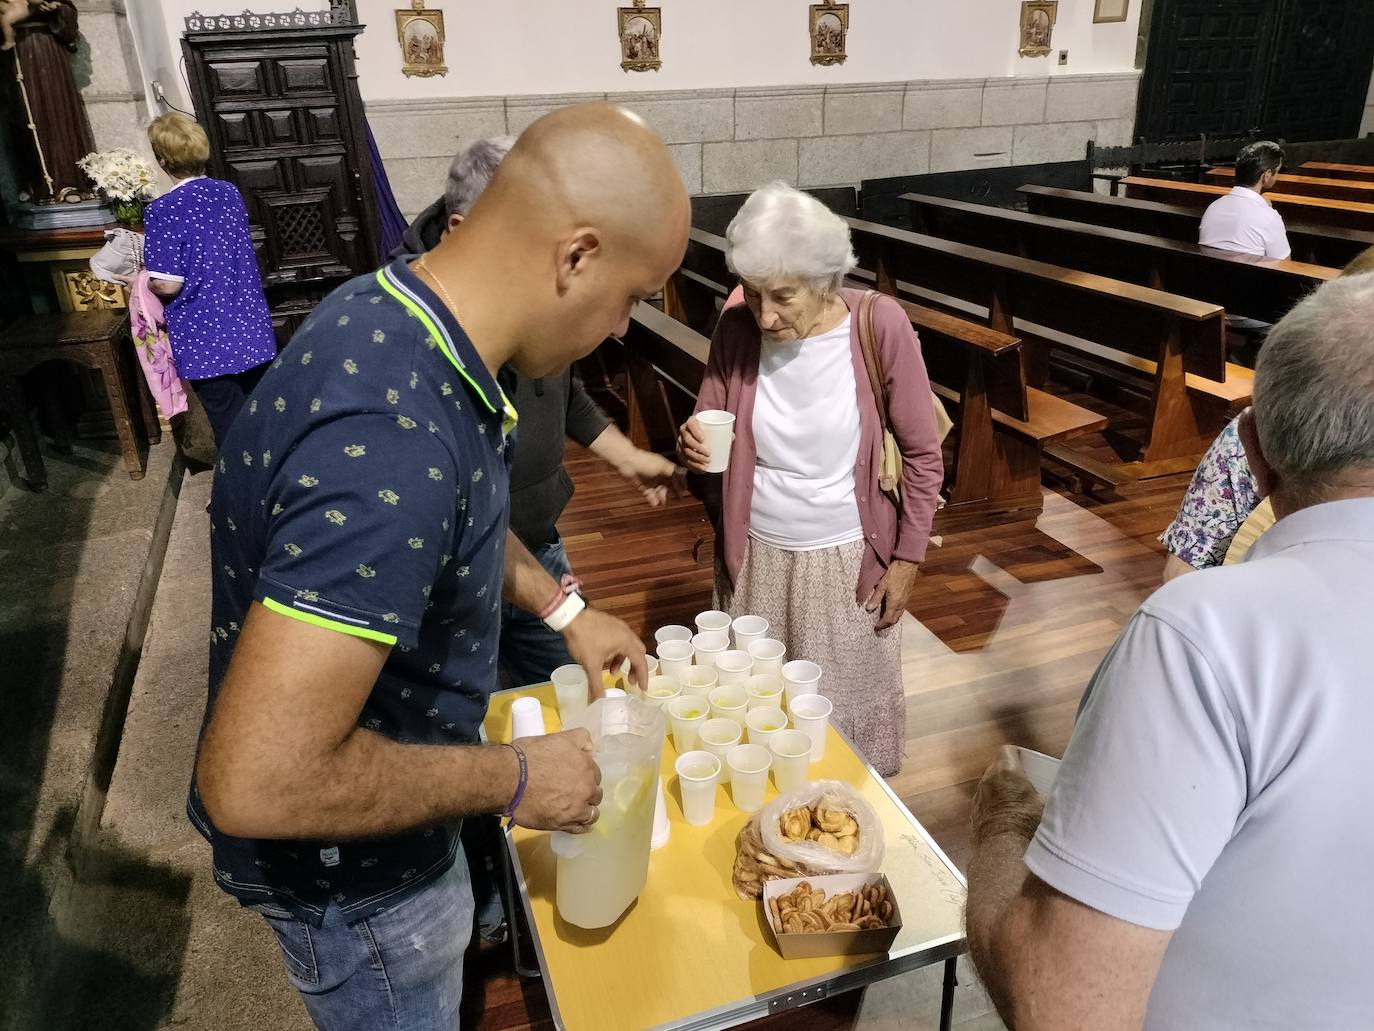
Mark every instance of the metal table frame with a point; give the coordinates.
(792, 996)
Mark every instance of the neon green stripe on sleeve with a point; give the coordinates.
(329, 624)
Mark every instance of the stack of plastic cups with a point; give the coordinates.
(570, 688)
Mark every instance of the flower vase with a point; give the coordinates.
(128, 212)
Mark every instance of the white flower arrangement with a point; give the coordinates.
(121, 174)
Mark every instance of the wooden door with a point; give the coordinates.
(1320, 72)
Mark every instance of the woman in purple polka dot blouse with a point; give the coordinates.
(200, 261)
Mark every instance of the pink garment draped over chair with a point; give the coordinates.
(149, 329)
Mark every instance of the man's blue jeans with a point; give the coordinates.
(530, 651)
(401, 970)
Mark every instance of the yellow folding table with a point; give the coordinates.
(690, 954)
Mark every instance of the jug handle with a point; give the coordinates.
(564, 845)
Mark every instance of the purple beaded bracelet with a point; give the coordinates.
(509, 814)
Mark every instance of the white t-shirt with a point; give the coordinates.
(1218, 784)
(1243, 221)
(806, 433)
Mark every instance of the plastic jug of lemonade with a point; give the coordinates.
(602, 872)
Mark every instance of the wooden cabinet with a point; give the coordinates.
(286, 126)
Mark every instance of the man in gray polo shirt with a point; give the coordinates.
(1203, 859)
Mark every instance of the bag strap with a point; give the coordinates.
(868, 344)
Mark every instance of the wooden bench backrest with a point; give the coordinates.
(1199, 195)
(1337, 170)
(1305, 185)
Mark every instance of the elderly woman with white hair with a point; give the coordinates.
(809, 538)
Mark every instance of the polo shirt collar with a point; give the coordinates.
(1350, 520)
(1245, 191)
(401, 282)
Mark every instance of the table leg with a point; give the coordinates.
(115, 384)
(947, 997)
(510, 900)
(12, 400)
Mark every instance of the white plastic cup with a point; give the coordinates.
(718, 736)
(729, 702)
(811, 715)
(698, 773)
(734, 667)
(800, 677)
(615, 692)
(768, 655)
(651, 661)
(687, 713)
(672, 632)
(662, 690)
(719, 430)
(712, 620)
(662, 830)
(791, 758)
(765, 691)
(570, 689)
(763, 724)
(700, 680)
(709, 644)
(748, 775)
(675, 658)
(747, 629)
(526, 717)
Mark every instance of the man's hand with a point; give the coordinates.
(563, 788)
(599, 642)
(889, 599)
(651, 474)
(1006, 799)
(691, 446)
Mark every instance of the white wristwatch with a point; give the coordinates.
(565, 613)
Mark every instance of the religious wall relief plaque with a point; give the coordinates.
(641, 32)
(829, 27)
(421, 36)
(1037, 27)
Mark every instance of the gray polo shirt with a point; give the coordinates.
(1220, 783)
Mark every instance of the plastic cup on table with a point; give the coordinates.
(675, 658)
(729, 702)
(526, 717)
(700, 680)
(801, 677)
(627, 682)
(718, 736)
(764, 691)
(570, 689)
(709, 644)
(747, 629)
(687, 713)
(662, 690)
(768, 655)
(615, 692)
(719, 430)
(762, 724)
(734, 667)
(672, 632)
(791, 758)
(698, 773)
(713, 621)
(748, 775)
(811, 715)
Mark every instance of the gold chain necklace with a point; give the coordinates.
(443, 290)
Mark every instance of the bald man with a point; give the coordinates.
(361, 553)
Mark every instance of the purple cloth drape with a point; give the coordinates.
(393, 223)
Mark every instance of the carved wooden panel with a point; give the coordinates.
(239, 79)
(323, 123)
(305, 76)
(235, 128)
(279, 127)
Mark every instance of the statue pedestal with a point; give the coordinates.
(63, 216)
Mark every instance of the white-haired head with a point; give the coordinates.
(782, 234)
(1314, 391)
(471, 171)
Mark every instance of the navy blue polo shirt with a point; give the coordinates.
(364, 488)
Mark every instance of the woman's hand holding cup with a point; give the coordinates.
(691, 446)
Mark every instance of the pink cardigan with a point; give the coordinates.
(731, 383)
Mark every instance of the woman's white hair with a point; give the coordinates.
(781, 233)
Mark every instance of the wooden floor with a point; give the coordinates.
(1006, 626)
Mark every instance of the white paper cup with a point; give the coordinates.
(811, 715)
(791, 758)
(734, 667)
(719, 430)
(687, 713)
(570, 688)
(801, 677)
(700, 680)
(712, 620)
(729, 702)
(672, 632)
(708, 645)
(768, 655)
(698, 773)
(615, 692)
(764, 691)
(675, 658)
(526, 717)
(718, 736)
(627, 682)
(662, 690)
(762, 724)
(749, 628)
(748, 775)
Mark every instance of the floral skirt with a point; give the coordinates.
(808, 599)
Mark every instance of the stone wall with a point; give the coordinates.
(109, 76)
(731, 140)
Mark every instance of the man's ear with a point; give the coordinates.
(453, 222)
(1254, 454)
(575, 253)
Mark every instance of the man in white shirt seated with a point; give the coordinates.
(1202, 861)
(1242, 220)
